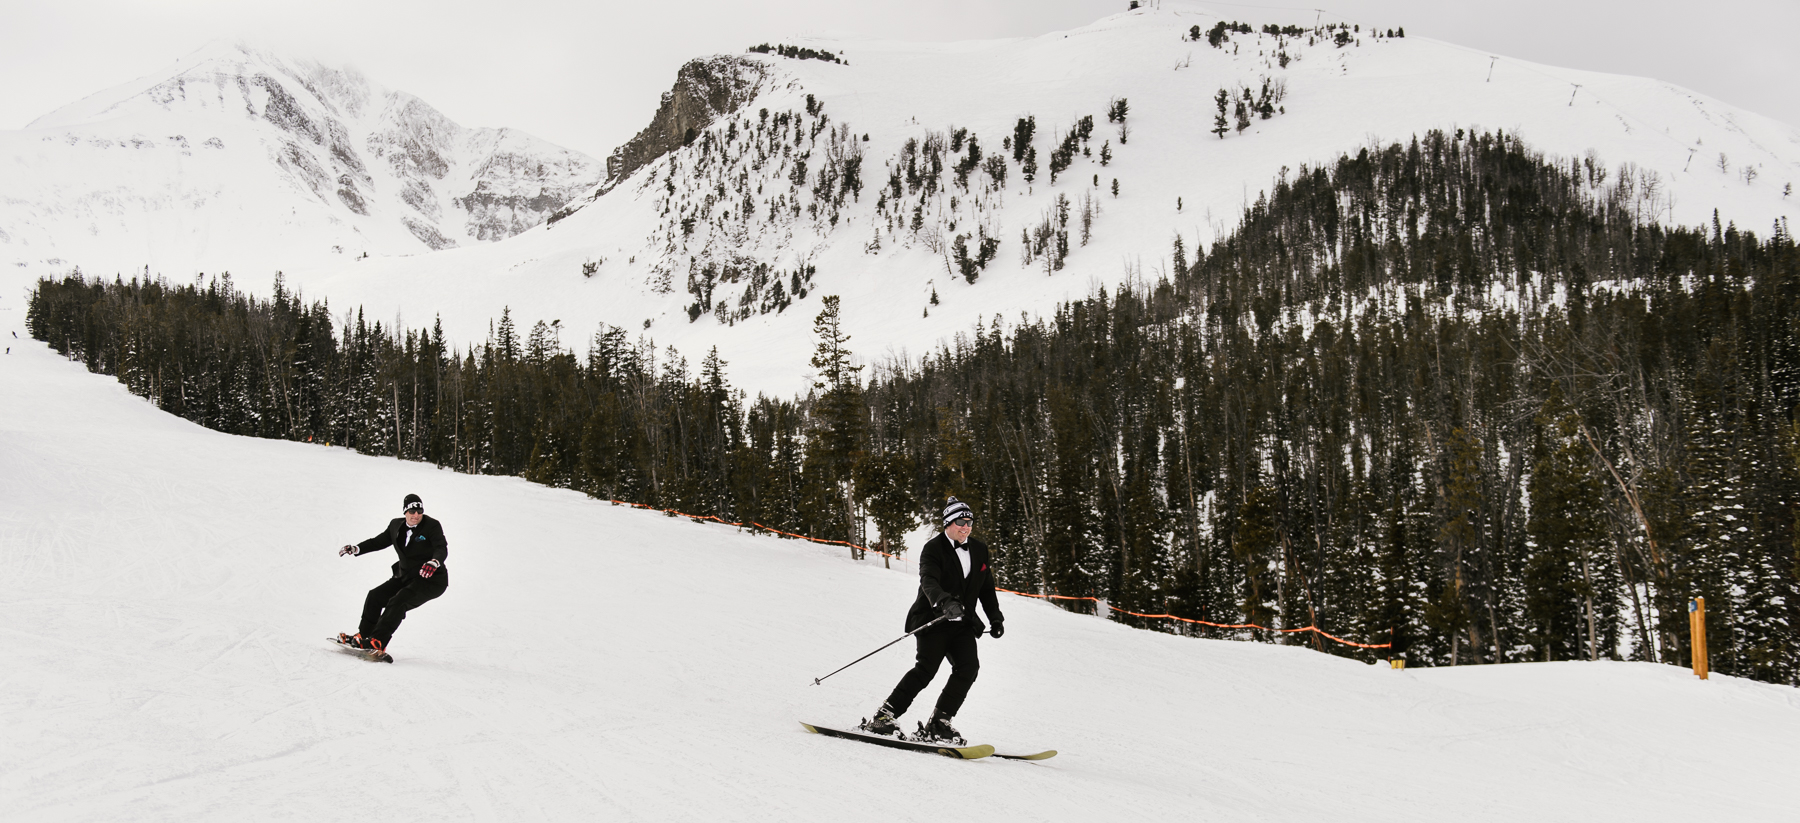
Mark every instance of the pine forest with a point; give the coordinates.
(1447, 393)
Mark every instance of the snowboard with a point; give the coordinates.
(1043, 755)
(367, 654)
(958, 752)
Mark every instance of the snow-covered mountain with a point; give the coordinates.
(165, 592)
(238, 158)
(708, 232)
(708, 217)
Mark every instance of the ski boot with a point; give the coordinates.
(939, 730)
(367, 644)
(883, 724)
(371, 648)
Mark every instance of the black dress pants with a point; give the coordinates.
(955, 641)
(388, 603)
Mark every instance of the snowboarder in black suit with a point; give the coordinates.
(953, 576)
(419, 574)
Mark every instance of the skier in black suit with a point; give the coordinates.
(953, 576)
(419, 574)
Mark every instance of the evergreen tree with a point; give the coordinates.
(1021, 137)
(884, 480)
(1254, 542)
(1567, 534)
(837, 445)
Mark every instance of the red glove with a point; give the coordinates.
(430, 568)
(349, 550)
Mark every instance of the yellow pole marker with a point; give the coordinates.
(1697, 636)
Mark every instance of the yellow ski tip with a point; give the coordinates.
(967, 752)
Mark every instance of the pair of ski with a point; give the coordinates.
(371, 655)
(958, 752)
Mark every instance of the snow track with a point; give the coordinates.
(164, 592)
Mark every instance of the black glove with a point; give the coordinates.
(996, 630)
(349, 550)
(951, 607)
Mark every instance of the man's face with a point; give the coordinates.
(959, 530)
(413, 518)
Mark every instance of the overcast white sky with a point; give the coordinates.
(587, 75)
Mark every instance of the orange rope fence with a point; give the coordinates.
(700, 517)
(1315, 629)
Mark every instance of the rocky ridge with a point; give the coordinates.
(311, 157)
(705, 89)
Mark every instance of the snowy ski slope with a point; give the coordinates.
(165, 591)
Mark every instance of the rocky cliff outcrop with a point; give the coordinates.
(704, 90)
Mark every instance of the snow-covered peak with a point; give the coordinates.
(342, 90)
(238, 157)
(718, 237)
(721, 238)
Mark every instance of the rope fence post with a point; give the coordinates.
(1697, 636)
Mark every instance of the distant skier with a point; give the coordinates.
(419, 574)
(953, 576)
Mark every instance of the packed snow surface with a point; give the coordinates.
(165, 592)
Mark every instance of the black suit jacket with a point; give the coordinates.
(427, 544)
(941, 577)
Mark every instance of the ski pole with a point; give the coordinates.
(935, 621)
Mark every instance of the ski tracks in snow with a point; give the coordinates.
(165, 593)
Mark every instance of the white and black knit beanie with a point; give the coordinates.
(412, 503)
(955, 510)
